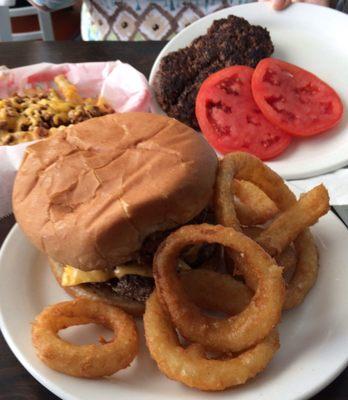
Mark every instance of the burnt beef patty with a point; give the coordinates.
(229, 41)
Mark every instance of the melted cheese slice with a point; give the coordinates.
(73, 276)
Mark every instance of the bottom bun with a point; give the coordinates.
(132, 307)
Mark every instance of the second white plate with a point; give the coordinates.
(312, 37)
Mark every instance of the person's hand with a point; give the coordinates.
(281, 4)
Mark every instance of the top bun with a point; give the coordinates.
(89, 195)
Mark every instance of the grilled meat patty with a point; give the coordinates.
(229, 41)
(132, 287)
(139, 288)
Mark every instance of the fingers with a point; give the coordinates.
(280, 4)
(318, 2)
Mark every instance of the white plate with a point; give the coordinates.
(314, 340)
(312, 37)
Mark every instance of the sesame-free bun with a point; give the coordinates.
(89, 195)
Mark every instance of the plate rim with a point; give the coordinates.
(61, 393)
(50, 386)
(312, 171)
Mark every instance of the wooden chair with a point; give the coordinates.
(45, 23)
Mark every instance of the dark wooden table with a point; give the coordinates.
(15, 381)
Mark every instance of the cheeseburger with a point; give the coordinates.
(99, 197)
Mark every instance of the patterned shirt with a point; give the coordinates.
(138, 19)
(142, 19)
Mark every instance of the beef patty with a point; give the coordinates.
(131, 287)
(139, 288)
(229, 41)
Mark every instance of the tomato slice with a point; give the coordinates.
(230, 119)
(294, 99)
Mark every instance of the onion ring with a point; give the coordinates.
(290, 223)
(87, 361)
(214, 291)
(301, 263)
(261, 274)
(286, 259)
(190, 366)
(253, 206)
(228, 294)
(306, 270)
(245, 166)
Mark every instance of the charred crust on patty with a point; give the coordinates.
(229, 41)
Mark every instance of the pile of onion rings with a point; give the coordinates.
(192, 366)
(289, 227)
(271, 262)
(262, 274)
